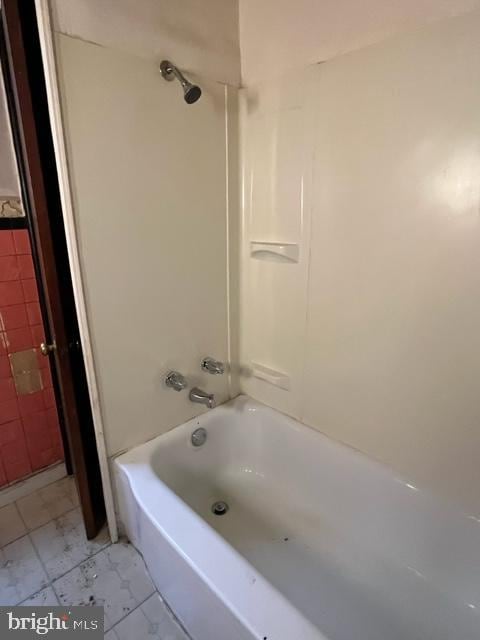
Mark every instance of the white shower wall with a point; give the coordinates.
(152, 199)
(371, 163)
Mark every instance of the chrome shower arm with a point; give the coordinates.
(191, 92)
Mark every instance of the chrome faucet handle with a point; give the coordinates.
(215, 367)
(175, 380)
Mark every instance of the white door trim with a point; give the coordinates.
(54, 108)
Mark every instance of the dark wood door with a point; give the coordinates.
(26, 95)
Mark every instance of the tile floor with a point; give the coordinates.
(45, 559)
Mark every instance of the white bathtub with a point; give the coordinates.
(319, 541)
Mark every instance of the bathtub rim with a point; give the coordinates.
(258, 611)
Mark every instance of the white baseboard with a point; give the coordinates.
(31, 484)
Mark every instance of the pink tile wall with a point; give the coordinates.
(29, 430)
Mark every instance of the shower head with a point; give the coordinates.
(191, 92)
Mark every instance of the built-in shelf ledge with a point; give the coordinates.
(275, 251)
(276, 378)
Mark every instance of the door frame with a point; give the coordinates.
(72, 259)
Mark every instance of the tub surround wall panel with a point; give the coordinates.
(149, 183)
(200, 37)
(386, 356)
(393, 357)
(276, 121)
(232, 170)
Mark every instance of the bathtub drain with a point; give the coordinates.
(219, 508)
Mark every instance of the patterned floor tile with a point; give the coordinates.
(135, 625)
(48, 503)
(97, 582)
(151, 621)
(78, 571)
(158, 614)
(11, 524)
(62, 543)
(131, 568)
(21, 573)
(44, 598)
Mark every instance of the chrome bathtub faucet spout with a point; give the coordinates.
(202, 397)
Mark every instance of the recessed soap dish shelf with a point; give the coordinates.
(275, 251)
(276, 378)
